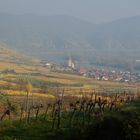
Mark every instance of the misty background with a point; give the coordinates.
(94, 32)
(97, 11)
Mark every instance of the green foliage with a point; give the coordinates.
(12, 106)
(21, 80)
(120, 125)
(3, 97)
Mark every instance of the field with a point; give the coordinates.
(48, 85)
(36, 103)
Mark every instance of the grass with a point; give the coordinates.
(121, 125)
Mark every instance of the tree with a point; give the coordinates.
(28, 88)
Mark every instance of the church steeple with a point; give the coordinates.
(70, 62)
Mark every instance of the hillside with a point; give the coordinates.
(118, 41)
(13, 57)
(55, 37)
(44, 37)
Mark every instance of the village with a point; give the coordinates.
(72, 67)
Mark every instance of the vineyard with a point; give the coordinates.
(38, 104)
(67, 111)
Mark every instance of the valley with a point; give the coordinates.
(54, 38)
(65, 78)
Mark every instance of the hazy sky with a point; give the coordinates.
(93, 10)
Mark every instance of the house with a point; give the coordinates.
(83, 70)
(48, 65)
(105, 78)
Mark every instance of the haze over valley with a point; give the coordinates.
(54, 38)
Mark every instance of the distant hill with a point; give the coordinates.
(45, 37)
(114, 44)
(119, 39)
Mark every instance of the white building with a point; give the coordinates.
(71, 63)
